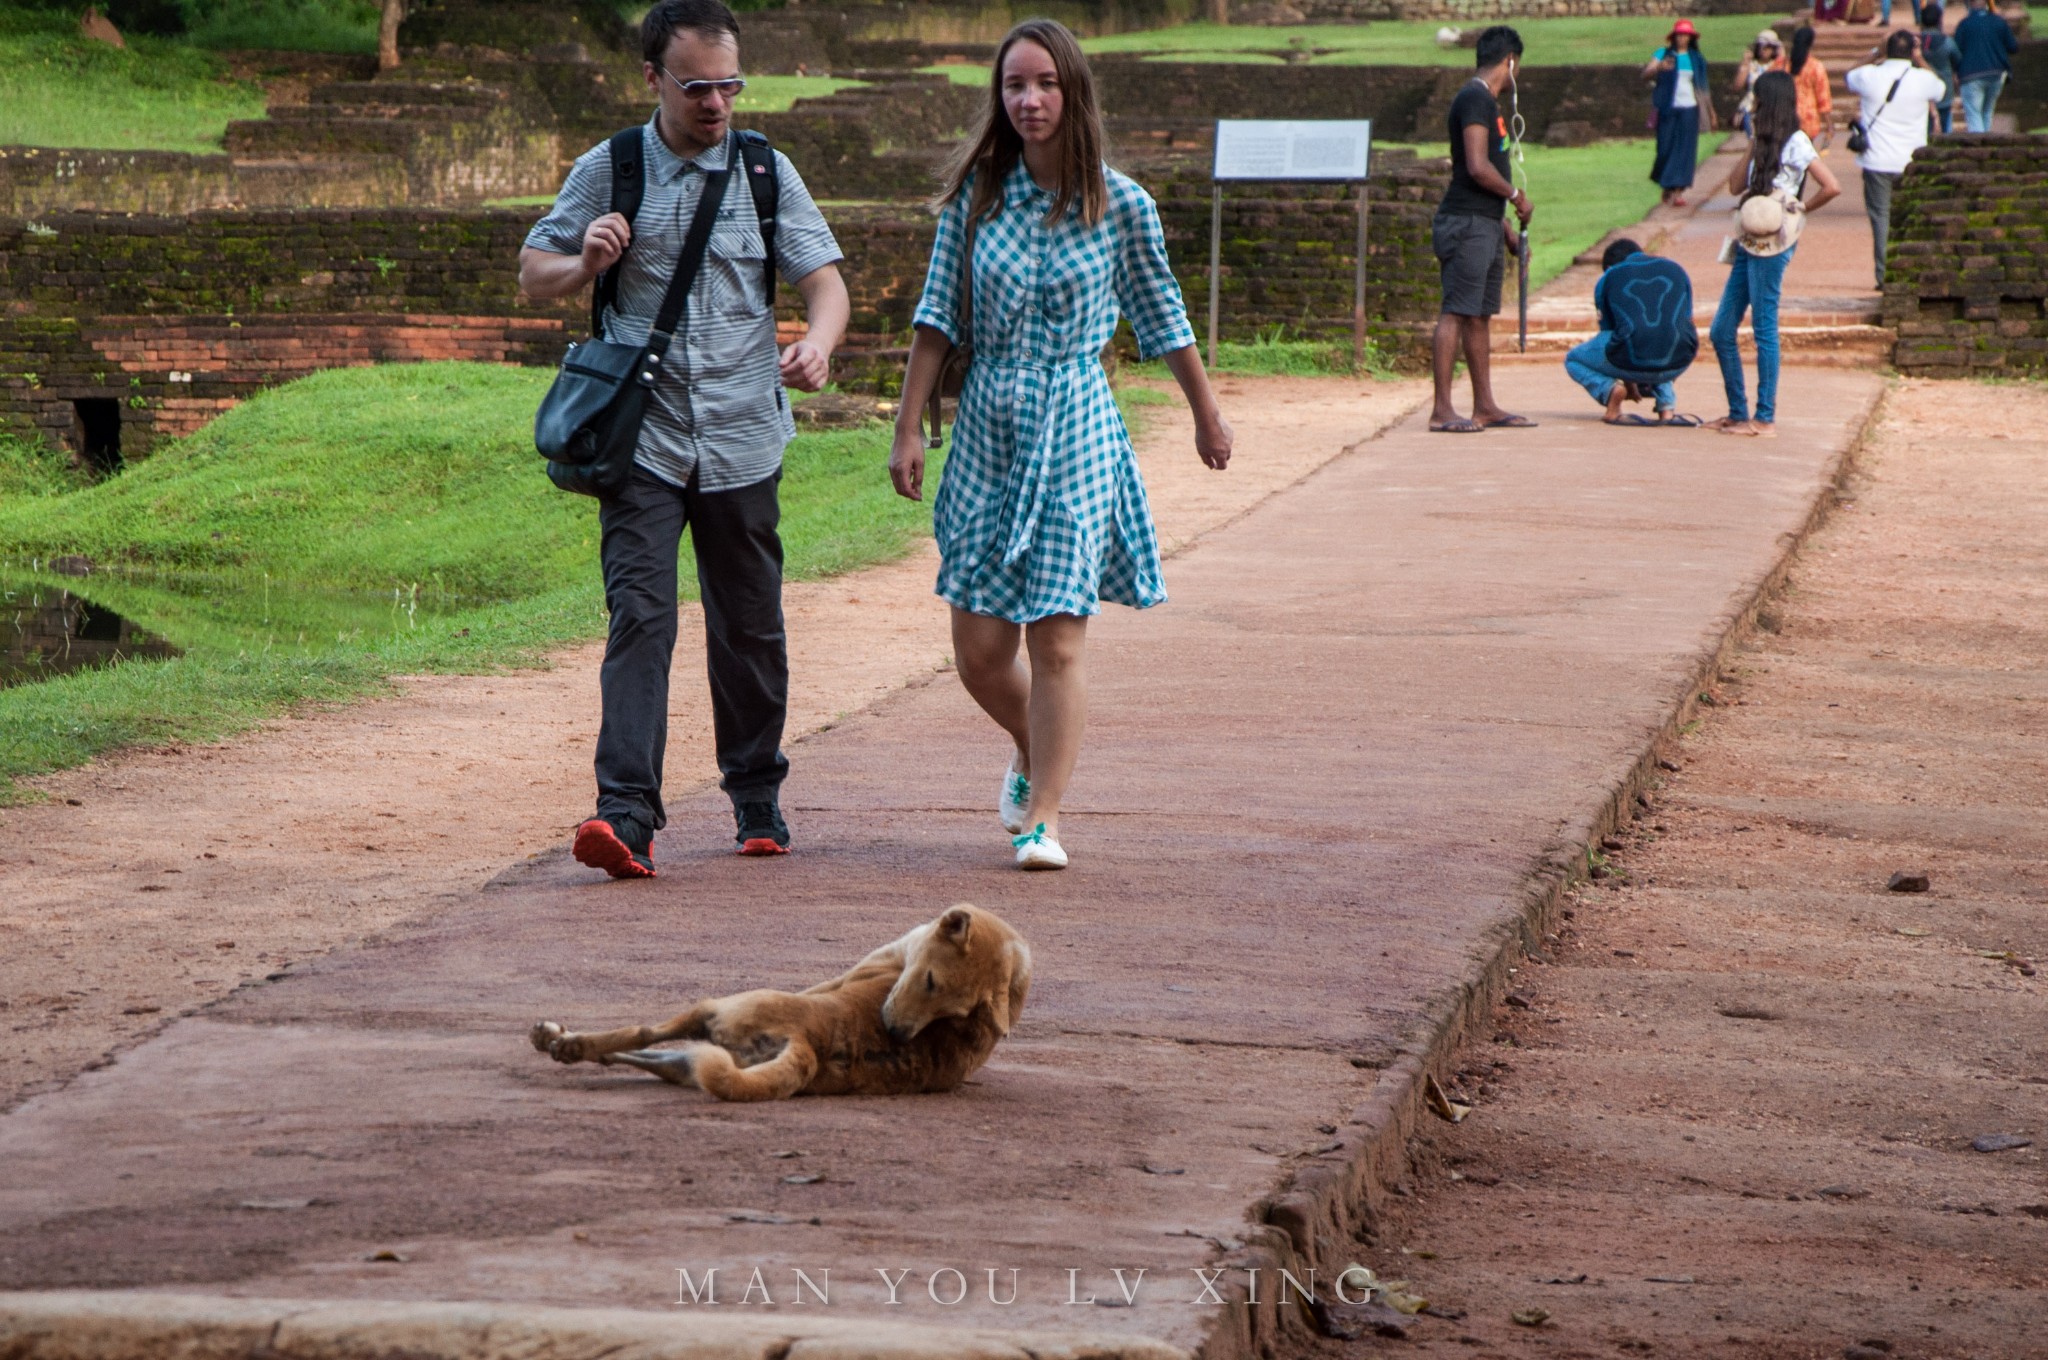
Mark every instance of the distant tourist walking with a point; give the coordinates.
(1471, 237)
(1647, 338)
(1767, 53)
(1984, 46)
(1684, 104)
(1940, 53)
(710, 451)
(1041, 513)
(1772, 214)
(1897, 95)
(1816, 98)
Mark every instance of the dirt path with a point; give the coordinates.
(154, 883)
(1732, 1114)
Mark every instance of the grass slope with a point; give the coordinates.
(58, 89)
(312, 513)
(1580, 41)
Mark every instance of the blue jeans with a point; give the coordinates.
(1947, 109)
(1980, 100)
(1587, 364)
(1754, 285)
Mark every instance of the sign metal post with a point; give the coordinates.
(1287, 151)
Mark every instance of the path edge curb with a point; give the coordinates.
(114, 1325)
(1340, 1198)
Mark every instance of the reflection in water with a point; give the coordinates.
(47, 631)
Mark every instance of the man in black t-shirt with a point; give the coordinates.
(1471, 236)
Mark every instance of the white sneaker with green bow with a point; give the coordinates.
(1015, 801)
(1036, 850)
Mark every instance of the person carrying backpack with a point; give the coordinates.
(636, 211)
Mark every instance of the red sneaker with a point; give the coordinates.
(598, 846)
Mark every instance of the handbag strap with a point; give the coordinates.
(688, 264)
(1868, 123)
(963, 320)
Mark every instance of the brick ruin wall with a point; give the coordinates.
(1561, 105)
(1966, 284)
(176, 319)
(1505, 11)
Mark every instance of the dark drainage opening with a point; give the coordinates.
(99, 432)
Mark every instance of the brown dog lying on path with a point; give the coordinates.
(919, 1014)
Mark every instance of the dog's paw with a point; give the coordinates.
(551, 1039)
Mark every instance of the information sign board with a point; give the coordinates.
(1282, 149)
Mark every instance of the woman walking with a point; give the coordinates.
(1765, 54)
(1684, 105)
(1816, 99)
(1041, 513)
(1768, 186)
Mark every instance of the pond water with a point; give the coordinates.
(52, 626)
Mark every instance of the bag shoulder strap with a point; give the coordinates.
(766, 182)
(629, 186)
(963, 311)
(687, 266)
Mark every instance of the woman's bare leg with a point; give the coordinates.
(1058, 711)
(985, 653)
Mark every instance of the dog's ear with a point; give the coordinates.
(955, 924)
(1008, 1002)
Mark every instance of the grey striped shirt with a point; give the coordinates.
(719, 410)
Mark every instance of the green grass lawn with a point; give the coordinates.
(281, 546)
(58, 89)
(1583, 192)
(1549, 42)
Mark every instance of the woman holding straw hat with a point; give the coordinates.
(1684, 105)
(1772, 213)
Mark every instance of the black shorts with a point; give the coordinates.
(1473, 253)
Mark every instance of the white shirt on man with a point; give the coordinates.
(1897, 128)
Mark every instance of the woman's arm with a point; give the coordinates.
(906, 452)
(1738, 179)
(1213, 435)
(1703, 89)
(1830, 187)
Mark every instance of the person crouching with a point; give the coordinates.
(1647, 337)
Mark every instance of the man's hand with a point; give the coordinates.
(804, 367)
(604, 241)
(1524, 209)
(1508, 233)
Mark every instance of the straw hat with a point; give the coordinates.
(1770, 225)
(1769, 38)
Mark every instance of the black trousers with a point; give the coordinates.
(739, 578)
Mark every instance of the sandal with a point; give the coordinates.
(1511, 423)
(1458, 426)
(1682, 421)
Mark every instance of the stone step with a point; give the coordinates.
(1840, 346)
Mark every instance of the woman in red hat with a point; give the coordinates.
(1678, 74)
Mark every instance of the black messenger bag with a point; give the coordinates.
(588, 425)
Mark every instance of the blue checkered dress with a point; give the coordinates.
(1041, 509)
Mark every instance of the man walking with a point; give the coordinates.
(1471, 237)
(1899, 95)
(710, 453)
(1647, 337)
(1986, 45)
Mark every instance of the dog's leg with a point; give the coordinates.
(565, 1046)
(780, 1077)
(672, 1065)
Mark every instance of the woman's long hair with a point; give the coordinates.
(1772, 123)
(1802, 48)
(995, 147)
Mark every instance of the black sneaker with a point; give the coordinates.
(761, 828)
(623, 851)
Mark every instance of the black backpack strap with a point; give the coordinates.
(629, 185)
(765, 181)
